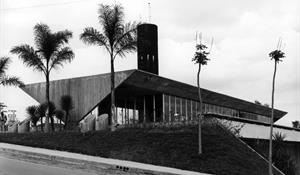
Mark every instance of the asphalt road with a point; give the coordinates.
(17, 167)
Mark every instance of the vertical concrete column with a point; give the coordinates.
(170, 108)
(126, 116)
(154, 110)
(144, 100)
(122, 113)
(175, 106)
(116, 110)
(181, 108)
(134, 109)
(186, 113)
(191, 109)
(163, 106)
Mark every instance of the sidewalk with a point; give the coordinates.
(91, 163)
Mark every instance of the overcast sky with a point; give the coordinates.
(245, 32)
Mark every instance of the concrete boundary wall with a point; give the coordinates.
(85, 162)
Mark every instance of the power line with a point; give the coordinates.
(42, 5)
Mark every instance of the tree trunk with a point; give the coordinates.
(271, 123)
(47, 128)
(200, 111)
(113, 119)
(42, 127)
(60, 128)
(66, 121)
(52, 123)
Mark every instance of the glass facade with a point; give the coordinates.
(181, 109)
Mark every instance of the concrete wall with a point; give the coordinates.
(82, 90)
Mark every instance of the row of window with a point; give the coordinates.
(180, 109)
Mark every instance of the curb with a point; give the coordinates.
(88, 163)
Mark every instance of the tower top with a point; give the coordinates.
(147, 48)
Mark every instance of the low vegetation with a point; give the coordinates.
(222, 154)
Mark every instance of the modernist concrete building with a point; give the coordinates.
(144, 96)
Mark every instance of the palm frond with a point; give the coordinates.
(10, 81)
(111, 19)
(66, 102)
(41, 110)
(51, 109)
(127, 41)
(63, 55)
(93, 37)
(63, 36)
(201, 54)
(4, 62)
(277, 55)
(29, 57)
(60, 38)
(59, 114)
(41, 35)
(47, 42)
(31, 110)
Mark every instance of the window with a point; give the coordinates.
(167, 105)
(188, 108)
(172, 112)
(184, 108)
(194, 112)
(178, 106)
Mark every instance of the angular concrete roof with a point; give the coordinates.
(153, 82)
(89, 91)
(86, 92)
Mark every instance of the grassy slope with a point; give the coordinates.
(174, 148)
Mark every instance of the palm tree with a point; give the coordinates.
(2, 105)
(275, 55)
(200, 58)
(6, 80)
(66, 104)
(117, 37)
(41, 112)
(59, 114)
(31, 111)
(51, 112)
(295, 124)
(44, 109)
(50, 53)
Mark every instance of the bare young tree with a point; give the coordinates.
(275, 55)
(200, 58)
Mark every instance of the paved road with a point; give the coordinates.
(17, 167)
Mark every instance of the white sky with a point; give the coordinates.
(244, 32)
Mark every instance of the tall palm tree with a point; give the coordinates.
(116, 36)
(31, 111)
(6, 80)
(200, 58)
(275, 55)
(50, 53)
(66, 104)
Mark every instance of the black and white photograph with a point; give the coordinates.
(140, 87)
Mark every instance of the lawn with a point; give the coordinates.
(223, 154)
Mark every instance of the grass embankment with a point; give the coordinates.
(223, 154)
